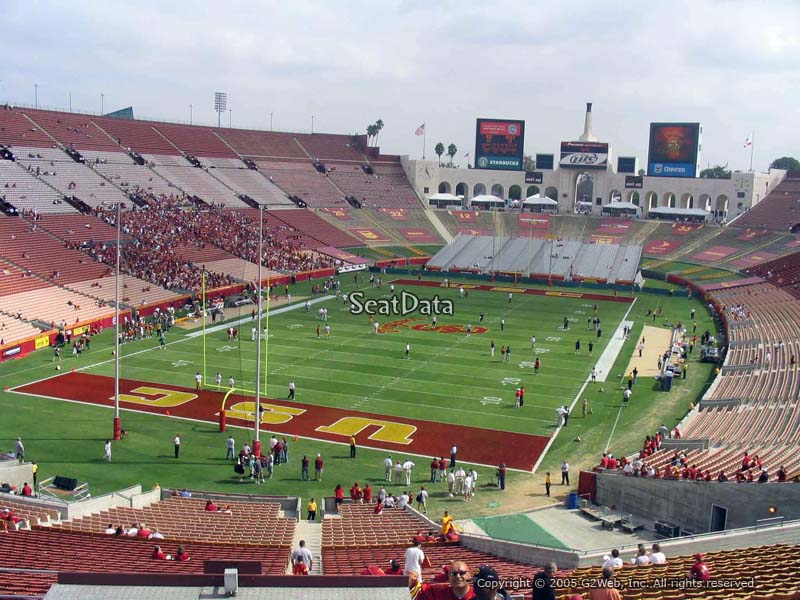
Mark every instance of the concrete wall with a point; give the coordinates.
(688, 503)
(94, 505)
(531, 555)
(16, 474)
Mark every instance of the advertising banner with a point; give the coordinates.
(584, 155)
(674, 149)
(534, 177)
(499, 144)
(634, 182)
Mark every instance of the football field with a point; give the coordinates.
(380, 368)
(448, 389)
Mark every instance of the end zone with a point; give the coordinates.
(485, 447)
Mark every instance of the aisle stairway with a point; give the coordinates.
(311, 532)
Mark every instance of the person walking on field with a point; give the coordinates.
(177, 443)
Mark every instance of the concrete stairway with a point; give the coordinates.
(311, 532)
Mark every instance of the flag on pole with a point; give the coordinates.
(466, 155)
(420, 130)
(748, 142)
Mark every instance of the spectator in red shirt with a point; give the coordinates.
(339, 495)
(26, 490)
(158, 554)
(460, 587)
(367, 494)
(700, 570)
(318, 464)
(143, 532)
(356, 493)
(604, 461)
(182, 554)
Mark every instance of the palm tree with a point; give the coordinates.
(439, 149)
(379, 126)
(372, 132)
(451, 152)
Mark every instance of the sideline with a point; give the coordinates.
(617, 332)
(242, 320)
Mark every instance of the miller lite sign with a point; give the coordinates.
(583, 155)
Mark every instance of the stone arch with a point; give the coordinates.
(652, 200)
(551, 192)
(687, 200)
(615, 196)
(721, 208)
(532, 191)
(670, 200)
(444, 187)
(462, 189)
(584, 187)
(704, 202)
(634, 197)
(479, 189)
(515, 192)
(498, 190)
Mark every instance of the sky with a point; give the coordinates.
(734, 66)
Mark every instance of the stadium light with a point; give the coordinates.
(220, 104)
(36, 95)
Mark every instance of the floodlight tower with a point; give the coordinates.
(220, 105)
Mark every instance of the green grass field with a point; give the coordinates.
(449, 378)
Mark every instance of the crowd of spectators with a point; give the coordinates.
(170, 222)
(680, 467)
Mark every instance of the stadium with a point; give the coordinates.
(218, 342)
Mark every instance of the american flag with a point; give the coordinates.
(748, 142)
(420, 130)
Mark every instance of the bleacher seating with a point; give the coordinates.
(51, 549)
(31, 584)
(358, 527)
(783, 272)
(127, 175)
(316, 232)
(73, 130)
(778, 211)
(234, 174)
(184, 519)
(133, 291)
(138, 136)
(26, 192)
(57, 169)
(327, 147)
(300, 178)
(752, 404)
(28, 246)
(53, 305)
(192, 180)
(33, 513)
(14, 280)
(386, 187)
(196, 141)
(352, 561)
(77, 229)
(15, 130)
(263, 144)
